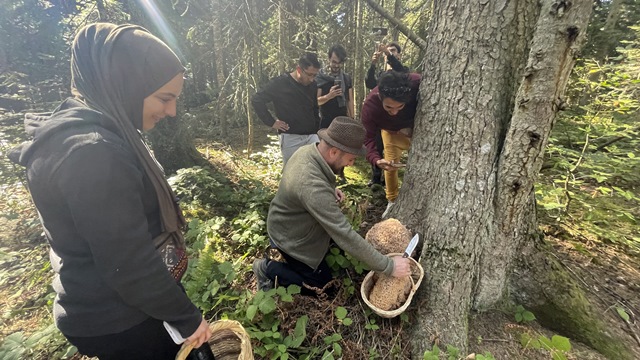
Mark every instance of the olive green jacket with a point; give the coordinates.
(304, 215)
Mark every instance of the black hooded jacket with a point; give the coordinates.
(100, 213)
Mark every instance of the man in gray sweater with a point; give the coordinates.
(304, 216)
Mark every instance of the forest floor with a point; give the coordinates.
(610, 275)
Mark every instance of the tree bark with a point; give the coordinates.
(477, 148)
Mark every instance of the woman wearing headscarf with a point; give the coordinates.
(110, 217)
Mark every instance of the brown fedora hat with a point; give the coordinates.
(346, 134)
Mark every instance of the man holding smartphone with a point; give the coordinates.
(335, 88)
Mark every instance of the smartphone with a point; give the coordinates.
(337, 82)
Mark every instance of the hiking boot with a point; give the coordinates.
(260, 269)
(389, 206)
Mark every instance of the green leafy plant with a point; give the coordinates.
(453, 353)
(433, 354)
(338, 260)
(485, 356)
(523, 315)
(558, 346)
(249, 229)
(371, 325)
(335, 350)
(45, 341)
(263, 326)
(623, 314)
(341, 314)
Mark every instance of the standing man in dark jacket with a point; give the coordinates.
(294, 97)
(335, 88)
(390, 109)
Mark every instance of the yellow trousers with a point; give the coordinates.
(394, 144)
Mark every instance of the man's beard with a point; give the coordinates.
(336, 170)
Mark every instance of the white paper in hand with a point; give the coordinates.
(174, 333)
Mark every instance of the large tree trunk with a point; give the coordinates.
(478, 147)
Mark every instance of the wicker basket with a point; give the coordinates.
(229, 341)
(417, 273)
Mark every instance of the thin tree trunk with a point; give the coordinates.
(218, 54)
(615, 11)
(397, 13)
(358, 79)
(281, 37)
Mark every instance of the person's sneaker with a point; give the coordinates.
(389, 206)
(260, 269)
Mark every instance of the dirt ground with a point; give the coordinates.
(610, 276)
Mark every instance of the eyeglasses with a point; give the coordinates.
(311, 75)
(336, 63)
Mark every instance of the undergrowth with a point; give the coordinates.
(590, 180)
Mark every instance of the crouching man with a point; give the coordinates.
(304, 216)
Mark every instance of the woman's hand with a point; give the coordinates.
(200, 336)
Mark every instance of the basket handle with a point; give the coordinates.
(413, 284)
(184, 351)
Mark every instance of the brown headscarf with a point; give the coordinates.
(113, 69)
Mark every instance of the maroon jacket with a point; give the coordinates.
(375, 118)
